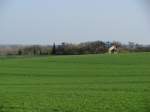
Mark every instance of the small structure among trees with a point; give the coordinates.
(113, 50)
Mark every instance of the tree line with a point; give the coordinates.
(94, 47)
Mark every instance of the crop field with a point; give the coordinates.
(86, 83)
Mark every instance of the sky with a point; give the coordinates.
(73, 21)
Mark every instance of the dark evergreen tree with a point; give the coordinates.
(19, 52)
(54, 49)
(34, 51)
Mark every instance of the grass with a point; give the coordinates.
(86, 83)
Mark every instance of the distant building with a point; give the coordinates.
(113, 49)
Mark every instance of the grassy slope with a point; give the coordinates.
(88, 83)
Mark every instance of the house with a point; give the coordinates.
(113, 50)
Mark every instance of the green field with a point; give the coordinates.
(86, 83)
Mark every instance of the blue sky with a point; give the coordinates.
(48, 21)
